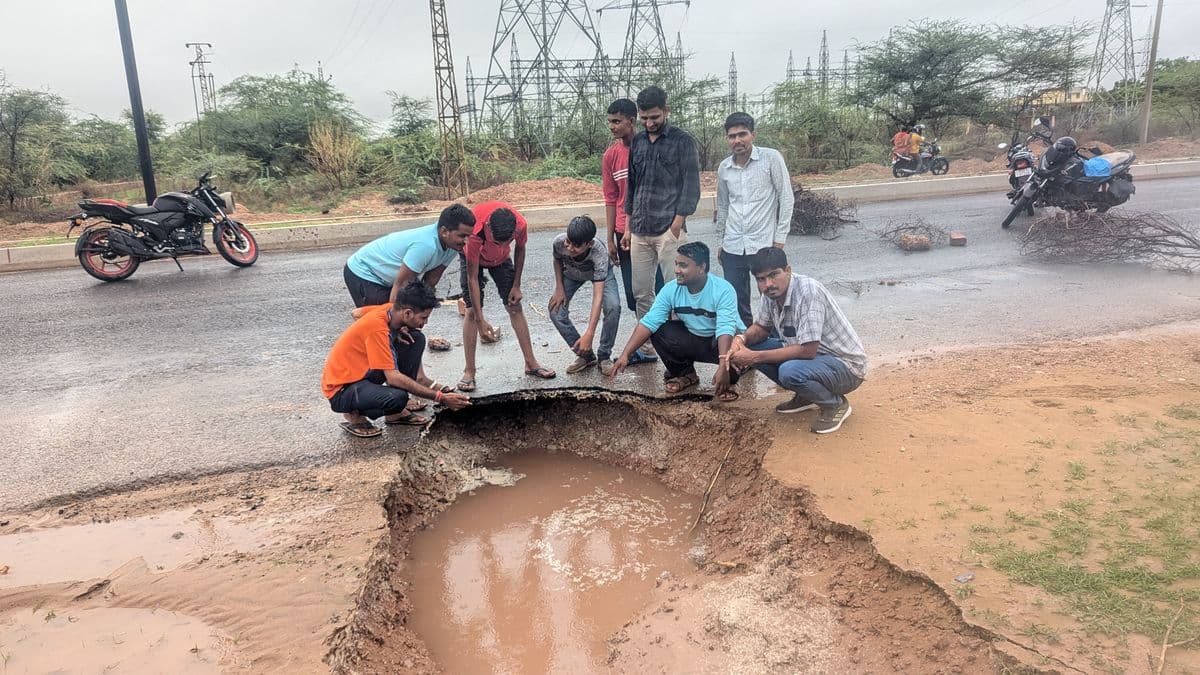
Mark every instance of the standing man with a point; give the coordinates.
(378, 270)
(614, 175)
(706, 307)
(580, 258)
(374, 366)
(754, 205)
(664, 188)
(490, 247)
(817, 356)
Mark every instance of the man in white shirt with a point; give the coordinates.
(754, 205)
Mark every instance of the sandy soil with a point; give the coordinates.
(841, 555)
(14, 227)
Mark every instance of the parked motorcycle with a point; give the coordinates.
(1064, 178)
(928, 161)
(1021, 158)
(173, 226)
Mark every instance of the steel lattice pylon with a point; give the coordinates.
(1114, 61)
(454, 165)
(532, 97)
(646, 59)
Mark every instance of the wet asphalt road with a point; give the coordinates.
(215, 368)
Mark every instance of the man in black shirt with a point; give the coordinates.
(664, 188)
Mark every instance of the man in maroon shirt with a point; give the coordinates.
(490, 247)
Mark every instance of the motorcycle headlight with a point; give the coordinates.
(227, 197)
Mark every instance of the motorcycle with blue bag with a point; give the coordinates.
(122, 236)
(1066, 179)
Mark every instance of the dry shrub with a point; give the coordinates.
(907, 234)
(819, 214)
(1150, 238)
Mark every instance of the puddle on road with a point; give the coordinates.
(107, 640)
(535, 577)
(164, 541)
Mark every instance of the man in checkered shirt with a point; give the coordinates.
(817, 356)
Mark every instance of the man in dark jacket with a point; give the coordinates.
(664, 188)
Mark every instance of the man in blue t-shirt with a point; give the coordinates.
(377, 270)
(707, 311)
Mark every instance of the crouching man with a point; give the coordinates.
(374, 366)
(817, 356)
(706, 307)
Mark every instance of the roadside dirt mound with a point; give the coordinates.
(547, 191)
(777, 586)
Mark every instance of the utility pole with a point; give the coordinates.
(1150, 75)
(454, 154)
(135, 102)
(733, 85)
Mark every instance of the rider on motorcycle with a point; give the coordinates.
(915, 139)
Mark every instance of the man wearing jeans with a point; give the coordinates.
(754, 205)
(817, 356)
(580, 258)
(663, 190)
(375, 365)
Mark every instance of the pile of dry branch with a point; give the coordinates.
(822, 215)
(914, 234)
(1149, 238)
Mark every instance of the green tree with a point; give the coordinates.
(34, 127)
(1177, 91)
(267, 118)
(410, 115)
(105, 149)
(930, 71)
(156, 124)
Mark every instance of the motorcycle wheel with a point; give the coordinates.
(940, 166)
(897, 172)
(1022, 204)
(100, 261)
(235, 244)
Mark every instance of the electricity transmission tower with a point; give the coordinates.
(732, 104)
(645, 59)
(454, 165)
(823, 68)
(522, 96)
(204, 92)
(1114, 58)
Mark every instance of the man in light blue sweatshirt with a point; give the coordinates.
(707, 311)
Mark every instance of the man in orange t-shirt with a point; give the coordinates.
(498, 227)
(373, 367)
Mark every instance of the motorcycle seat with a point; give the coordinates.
(111, 205)
(1119, 160)
(140, 209)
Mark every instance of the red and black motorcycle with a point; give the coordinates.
(173, 226)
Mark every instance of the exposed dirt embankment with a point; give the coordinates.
(776, 586)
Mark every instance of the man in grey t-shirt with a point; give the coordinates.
(580, 258)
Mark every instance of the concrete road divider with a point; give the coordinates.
(282, 237)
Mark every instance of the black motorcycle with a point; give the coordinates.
(927, 161)
(172, 227)
(1021, 158)
(1064, 178)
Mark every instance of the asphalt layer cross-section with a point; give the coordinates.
(217, 368)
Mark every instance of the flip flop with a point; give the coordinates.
(728, 396)
(409, 420)
(438, 386)
(416, 405)
(437, 344)
(542, 372)
(361, 429)
(675, 385)
(466, 384)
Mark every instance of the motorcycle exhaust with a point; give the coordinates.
(124, 243)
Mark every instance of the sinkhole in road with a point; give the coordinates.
(569, 531)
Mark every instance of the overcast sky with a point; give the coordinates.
(71, 47)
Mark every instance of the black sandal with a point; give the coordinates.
(361, 429)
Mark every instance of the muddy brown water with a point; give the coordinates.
(534, 577)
